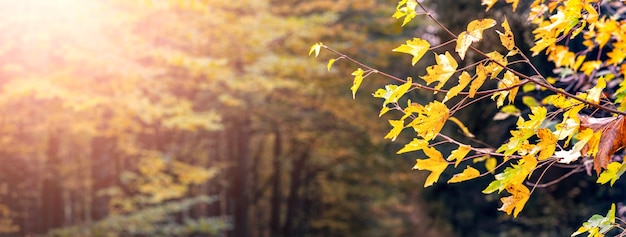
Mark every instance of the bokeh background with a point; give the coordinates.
(208, 118)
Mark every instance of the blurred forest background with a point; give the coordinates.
(208, 118)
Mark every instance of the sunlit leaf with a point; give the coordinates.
(358, 78)
(397, 125)
(464, 79)
(613, 172)
(481, 76)
(445, 68)
(547, 143)
(406, 9)
(473, 34)
(467, 174)
(595, 93)
(330, 63)
(428, 124)
(316, 48)
(414, 145)
(507, 39)
(515, 203)
(435, 164)
(416, 47)
(459, 154)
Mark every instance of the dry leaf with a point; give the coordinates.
(613, 138)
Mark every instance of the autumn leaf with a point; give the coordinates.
(406, 9)
(467, 174)
(613, 137)
(507, 39)
(416, 47)
(428, 124)
(358, 78)
(509, 80)
(414, 145)
(515, 203)
(473, 34)
(495, 66)
(397, 125)
(613, 172)
(445, 68)
(392, 94)
(547, 144)
(489, 3)
(508, 176)
(316, 48)
(481, 76)
(459, 154)
(598, 225)
(568, 156)
(594, 93)
(435, 163)
(464, 79)
(330, 63)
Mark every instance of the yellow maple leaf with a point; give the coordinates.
(473, 34)
(494, 67)
(358, 78)
(509, 80)
(397, 125)
(507, 39)
(445, 68)
(481, 76)
(542, 44)
(515, 203)
(613, 172)
(595, 93)
(547, 144)
(467, 174)
(406, 9)
(316, 49)
(464, 79)
(414, 145)
(431, 121)
(459, 154)
(416, 47)
(435, 164)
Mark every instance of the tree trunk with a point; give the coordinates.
(51, 192)
(293, 199)
(239, 172)
(276, 187)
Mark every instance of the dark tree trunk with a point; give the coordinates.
(276, 187)
(239, 172)
(293, 199)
